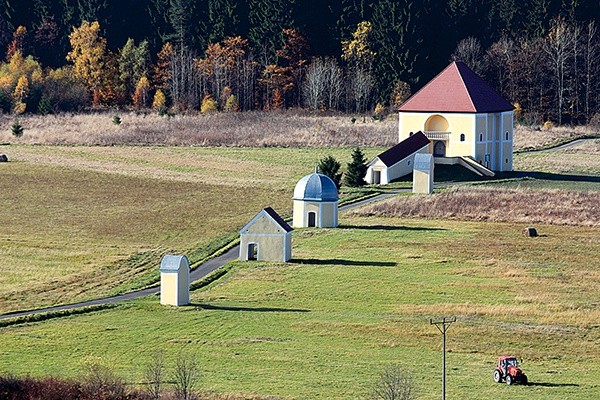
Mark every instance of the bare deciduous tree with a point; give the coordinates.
(361, 87)
(155, 373)
(185, 79)
(334, 79)
(315, 84)
(186, 376)
(470, 52)
(591, 65)
(558, 48)
(393, 384)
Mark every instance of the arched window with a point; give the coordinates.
(481, 137)
(462, 137)
(506, 135)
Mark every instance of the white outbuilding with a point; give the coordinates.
(397, 161)
(315, 202)
(175, 280)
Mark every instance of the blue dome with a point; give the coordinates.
(316, 187)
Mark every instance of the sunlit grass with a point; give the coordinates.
(353, 300)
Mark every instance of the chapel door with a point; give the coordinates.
(312, 219)
(252, 251)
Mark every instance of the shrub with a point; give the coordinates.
(232, 104)
(116, 120)
(393, 384)
(100, 382)
(548, 125)
(17, 129)
(209, 105)
(595, 121)
(379, 112)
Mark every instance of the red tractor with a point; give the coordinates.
(508, 370)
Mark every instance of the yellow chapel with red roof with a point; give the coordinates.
(464, 118)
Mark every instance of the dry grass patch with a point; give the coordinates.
(579, 159)
(252, 129)
(528, 137)
(558, 207)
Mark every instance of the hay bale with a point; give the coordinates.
(530, 232)
(3, 158)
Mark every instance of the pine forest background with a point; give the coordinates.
(340, 55)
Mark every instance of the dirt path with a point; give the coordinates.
(196, 274)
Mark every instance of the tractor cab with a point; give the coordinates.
(508, 370)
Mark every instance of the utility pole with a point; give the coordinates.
(443, 326)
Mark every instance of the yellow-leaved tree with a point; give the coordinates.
(159, 103)
(357, 51)
(88, 55)
(20, 94)
(140, 97)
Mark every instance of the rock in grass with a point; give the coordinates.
(3, 158)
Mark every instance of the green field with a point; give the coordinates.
(82, 222)
(354, 300)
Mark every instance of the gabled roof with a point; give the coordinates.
(275, 218)
(457, 89)
(404, 149)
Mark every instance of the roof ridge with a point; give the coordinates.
(462, 80)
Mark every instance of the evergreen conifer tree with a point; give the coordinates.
(357, 169)
(330, 166)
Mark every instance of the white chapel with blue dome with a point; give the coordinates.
(315, 202)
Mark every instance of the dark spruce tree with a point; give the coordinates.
(397, 37)
(223, 19)
(268, 19)
(330, 166)
(357, 169)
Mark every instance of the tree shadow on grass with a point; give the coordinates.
(337, 261)
(548, 384)
(549, 176)
(389, 228)
(199, 306)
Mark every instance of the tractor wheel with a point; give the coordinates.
(497, 376)
(509, 379)
(524, 379)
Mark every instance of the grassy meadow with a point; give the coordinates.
(353, 300)
(81, 221)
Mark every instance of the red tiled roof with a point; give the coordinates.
(457, 89)
(404, 149)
